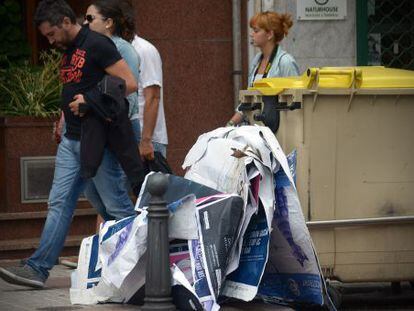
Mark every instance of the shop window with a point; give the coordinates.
(385, 33)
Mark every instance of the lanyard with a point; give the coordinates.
(269, 64)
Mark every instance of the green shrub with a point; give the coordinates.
(27, 90)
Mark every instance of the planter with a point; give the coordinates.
(21, 137)
(21, 221)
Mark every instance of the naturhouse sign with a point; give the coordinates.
(321, 9)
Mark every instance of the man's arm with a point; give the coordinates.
(58, 127)
(121, 70)
(152, 100)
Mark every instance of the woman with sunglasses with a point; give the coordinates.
(106, 17)
(268, 30)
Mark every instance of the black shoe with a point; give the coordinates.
(22, 275)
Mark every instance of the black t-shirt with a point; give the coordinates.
(82, 67)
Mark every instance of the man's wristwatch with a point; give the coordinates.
(230, 123)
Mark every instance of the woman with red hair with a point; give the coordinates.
(268, 30)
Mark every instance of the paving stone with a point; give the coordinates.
(55, 297)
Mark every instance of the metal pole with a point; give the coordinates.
(237, 57)
(158, 275)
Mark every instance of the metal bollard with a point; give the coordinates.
(158, 275)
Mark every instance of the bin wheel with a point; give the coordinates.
(396, 288)
(335, 295)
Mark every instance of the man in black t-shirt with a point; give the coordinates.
(87, 57)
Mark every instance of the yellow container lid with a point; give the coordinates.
(364, 77)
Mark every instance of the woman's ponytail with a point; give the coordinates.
(286, 22)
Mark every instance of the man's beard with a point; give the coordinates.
(62, 46)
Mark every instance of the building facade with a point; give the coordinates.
(372, 32)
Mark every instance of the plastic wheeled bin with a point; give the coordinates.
(353, 129)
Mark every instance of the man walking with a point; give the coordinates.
(150, 98)
(87, 58)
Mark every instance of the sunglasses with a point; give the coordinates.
(89, 18)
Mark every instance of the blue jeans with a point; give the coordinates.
(108, 190)
(136, 127)
(66, 188)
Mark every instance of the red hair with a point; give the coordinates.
(272, 21)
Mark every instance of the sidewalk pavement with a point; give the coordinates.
(56, 297)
